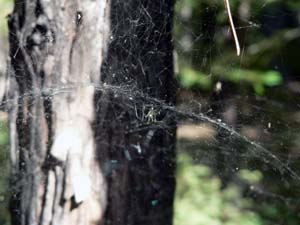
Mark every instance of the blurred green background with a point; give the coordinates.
(5, 8)
(238, 168)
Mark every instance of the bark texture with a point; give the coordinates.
(56, 51)
(90, 88)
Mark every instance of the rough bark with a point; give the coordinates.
(92, 140)
(56, 51)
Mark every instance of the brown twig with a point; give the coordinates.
(236, 40)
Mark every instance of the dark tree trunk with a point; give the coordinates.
(134, 128)
(90, 85)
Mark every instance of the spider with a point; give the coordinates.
(151, 116)
(236, 40)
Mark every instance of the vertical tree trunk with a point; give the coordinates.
(92, 141)
(135, 130)
(56, 50)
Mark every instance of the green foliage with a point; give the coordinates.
(4, 172)
(5, 8)
(3, 134)
(251, 176)
(190, 78)
(259, 80)
(207, 54)
(200, 200)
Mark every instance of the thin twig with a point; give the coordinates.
(236, 40)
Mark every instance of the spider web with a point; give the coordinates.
(226, 124)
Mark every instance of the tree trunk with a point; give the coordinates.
(90, 84)
(2, 69)
(134, 128)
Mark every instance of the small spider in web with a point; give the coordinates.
(151, 116)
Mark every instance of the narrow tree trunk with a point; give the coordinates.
(92, 140)
(135, 129)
